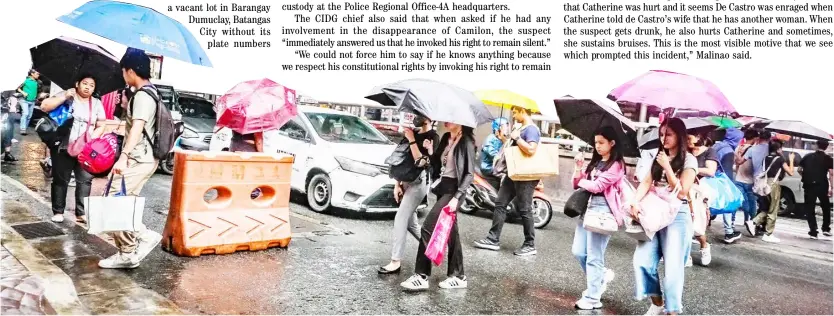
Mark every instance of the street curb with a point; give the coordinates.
(59, 291)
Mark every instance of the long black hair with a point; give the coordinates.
(679, 128)
(616, 154)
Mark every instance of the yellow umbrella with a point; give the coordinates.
(506, 99)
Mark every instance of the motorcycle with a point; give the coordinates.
(481, 195)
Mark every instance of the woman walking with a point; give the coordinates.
(707, 167)
(88, 117)
(673, 168)
(603, 179)
(411, 194)
(453, 165)
(776, 170)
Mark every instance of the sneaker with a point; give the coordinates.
(706, 255)
(58, 218)
(148, 240)
(751, 227)
(525, 251)
(453, 283)
(828, 234)
(583, 304)
(771, 239)
(119, 261)
(655, 310)
(815, 237)
(487, 244)
(688, 262)
(732, 237)
(416, 283)
(609, 276)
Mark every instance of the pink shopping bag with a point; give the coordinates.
(440, 237)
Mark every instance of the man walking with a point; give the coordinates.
(526, 138)
(751, 161)
(29, 90)
(136, 163)
(817, 180)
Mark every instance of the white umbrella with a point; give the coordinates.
(798, 129)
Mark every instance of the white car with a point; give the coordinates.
(339, 160)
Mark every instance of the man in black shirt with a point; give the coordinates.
(817, 177)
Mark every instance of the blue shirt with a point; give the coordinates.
(530, 134)
(492, 145)
(757, 155)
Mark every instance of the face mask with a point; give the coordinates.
(418, 121)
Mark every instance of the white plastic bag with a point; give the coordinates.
(114, 213)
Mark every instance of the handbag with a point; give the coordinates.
(600, 223)
(577, 203)
(761, 186)
(114, 213)
(440, 237)
(699, 212)
(77, 146)
(544, 163)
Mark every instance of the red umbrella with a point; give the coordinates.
(256, 106)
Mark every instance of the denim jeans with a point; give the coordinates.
(729, 218)
(26, 109)
(589, 250)
(750, 199)
(673, 244)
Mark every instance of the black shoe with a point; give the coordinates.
(732, 237)
(525, 251)
(47, 169)
(382, 270)
(9, 158)
(487, 244)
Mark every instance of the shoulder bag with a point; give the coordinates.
(77, 146)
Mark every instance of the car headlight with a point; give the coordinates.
(187, 133)
(358, 167)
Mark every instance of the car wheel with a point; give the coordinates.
(542, 212)
(167, 166)
(787, 204)
(319, 192)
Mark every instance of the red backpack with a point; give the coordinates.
(99, 155)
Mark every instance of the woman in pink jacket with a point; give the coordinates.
(603, 178)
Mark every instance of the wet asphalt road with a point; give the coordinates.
(335, 273)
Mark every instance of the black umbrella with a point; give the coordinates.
(436, 100)
(798, 129)
(694, 125)
(63, 59)
(582, 117)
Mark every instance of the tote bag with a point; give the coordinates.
(114, 213)
(658, 209)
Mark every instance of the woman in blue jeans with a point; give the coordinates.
(603, 179)
(674, 167)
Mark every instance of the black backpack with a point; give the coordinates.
(403, 167)
(165, 135)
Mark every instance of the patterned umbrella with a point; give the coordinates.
(256, 106)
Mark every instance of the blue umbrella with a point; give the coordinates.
(139, 27)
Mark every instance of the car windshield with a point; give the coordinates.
(345, 129)
(196, 108)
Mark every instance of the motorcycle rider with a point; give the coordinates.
(492, 145)
(527, 138)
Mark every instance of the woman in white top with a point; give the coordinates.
(88, 117)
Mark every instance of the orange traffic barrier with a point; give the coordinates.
(213, 211)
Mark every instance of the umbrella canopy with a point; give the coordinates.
(63, 59)
(507, 99)
(665, 89)
(138, 27)
(582, 117)
(723, 122)
(798, 129)
(436, 100)
(256, 106)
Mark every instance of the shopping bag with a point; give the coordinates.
(544, 163)
(658, 209)
(114, 213)
(699, 212)
(440, 237)
(725, 196)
